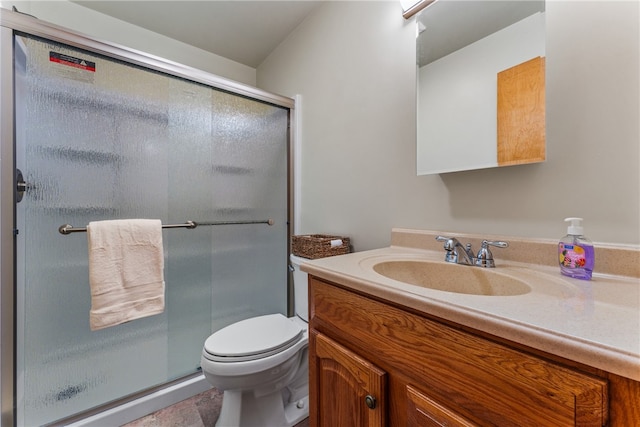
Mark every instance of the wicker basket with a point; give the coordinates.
(314, 246)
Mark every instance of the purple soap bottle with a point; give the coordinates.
(575, 252)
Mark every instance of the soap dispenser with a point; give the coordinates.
(575, 252)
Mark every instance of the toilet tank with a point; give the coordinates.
(300, 288)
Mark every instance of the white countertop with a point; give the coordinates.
(594, 322)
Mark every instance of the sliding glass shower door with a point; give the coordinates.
(101, 139)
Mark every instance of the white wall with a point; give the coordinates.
(103, 27)
(354, 65)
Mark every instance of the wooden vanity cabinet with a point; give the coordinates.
(423, 372)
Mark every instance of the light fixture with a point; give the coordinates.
(411, 7)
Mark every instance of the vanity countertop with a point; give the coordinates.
(594, 322)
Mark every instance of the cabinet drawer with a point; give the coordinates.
(487, 382)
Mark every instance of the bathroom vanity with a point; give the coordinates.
(387, 353)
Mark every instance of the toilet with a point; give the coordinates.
(261, 365)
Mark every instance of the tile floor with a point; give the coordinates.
(201, 410)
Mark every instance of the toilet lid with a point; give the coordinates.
(253, 338)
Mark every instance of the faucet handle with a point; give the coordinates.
(449, 246)
(485, 257)
(449, 242)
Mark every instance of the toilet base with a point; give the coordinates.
(243, 409)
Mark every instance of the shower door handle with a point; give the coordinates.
(21, 186)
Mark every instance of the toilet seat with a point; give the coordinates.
(252, 339)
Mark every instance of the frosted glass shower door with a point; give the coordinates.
(249, 262)
(101, 139)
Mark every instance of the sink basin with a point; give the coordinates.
(461, 279)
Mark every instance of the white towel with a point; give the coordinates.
(126, 271)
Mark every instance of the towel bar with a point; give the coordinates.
(68, 228)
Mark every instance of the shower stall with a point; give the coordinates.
(92, 131)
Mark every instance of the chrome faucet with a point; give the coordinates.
(455, 249)
(459, 254)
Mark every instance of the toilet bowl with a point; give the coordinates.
(261, 365)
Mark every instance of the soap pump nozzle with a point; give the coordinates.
(575, 229)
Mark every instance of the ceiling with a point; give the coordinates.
(247, 31)
(243, 31)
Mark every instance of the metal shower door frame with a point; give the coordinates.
(10, 24)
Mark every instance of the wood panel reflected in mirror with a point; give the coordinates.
(521, 120)
(464, 120)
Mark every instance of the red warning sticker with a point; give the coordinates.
(70, 61)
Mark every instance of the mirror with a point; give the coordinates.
(480, 89)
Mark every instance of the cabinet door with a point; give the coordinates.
(422, 411)
(347, 390)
